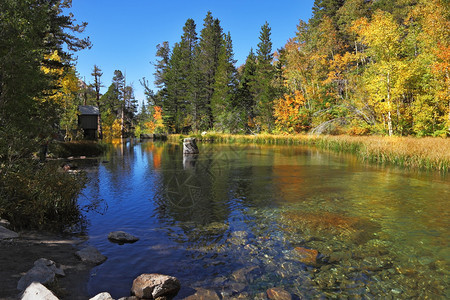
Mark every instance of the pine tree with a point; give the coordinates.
(210, 45)
(265, 71)
(246, 96)
(223, 99)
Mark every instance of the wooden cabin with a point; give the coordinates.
(88, 121)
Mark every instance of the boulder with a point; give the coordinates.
(43, 271)
(91, 255)
(190, 146)
(7, 234)
(102, 296)
(278, 293)
(122, 237)
(43, 262)
(40, 274)
(152, 286)
(36, 291)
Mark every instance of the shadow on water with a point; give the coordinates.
(238, 220)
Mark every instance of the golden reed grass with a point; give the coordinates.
(417, 153)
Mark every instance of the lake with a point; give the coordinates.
(240, 219)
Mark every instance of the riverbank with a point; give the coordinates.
(18, 255)
(415, 153)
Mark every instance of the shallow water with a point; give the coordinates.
(241, 219)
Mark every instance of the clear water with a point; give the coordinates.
(236, 220)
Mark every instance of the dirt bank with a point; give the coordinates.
(17, 256)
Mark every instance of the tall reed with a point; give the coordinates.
(417, 153)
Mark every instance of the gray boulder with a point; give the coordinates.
(91, 255)
(36, 291)
(152, 286)
(43, 262)
(7, 234)
(43, 271)
(40, 274)
(122, 237)
(102, 296)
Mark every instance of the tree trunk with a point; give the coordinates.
(389, 104)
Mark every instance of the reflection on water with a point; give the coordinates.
(241, 219)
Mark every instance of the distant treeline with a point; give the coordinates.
(357, 67)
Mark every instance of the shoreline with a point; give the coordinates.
(18, 255)
(427, 153)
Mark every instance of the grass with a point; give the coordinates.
(415, 153)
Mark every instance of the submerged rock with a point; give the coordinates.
(307, 256)
(203, 294)
(278, 293)
(326, 224)
(7, 234)
(91, 255)
(122, 237)
(152, 286)
(37, 291)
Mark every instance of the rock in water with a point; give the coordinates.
(190, 146)
(122, 237)
(51, 265)
(277, 293)
(36, 291)
(7, 234)
(307, 256)
(203, 294)
(90, 255)
(102, 296)
(44, 272)
(152, 286)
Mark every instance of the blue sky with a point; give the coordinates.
(125, 33)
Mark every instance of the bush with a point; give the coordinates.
(39, 196)
(78, 148)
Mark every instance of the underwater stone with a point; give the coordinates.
(203, 294)
(278, 293)
(90, 255)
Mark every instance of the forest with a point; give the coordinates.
(356, 67)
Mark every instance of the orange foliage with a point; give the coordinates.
(287, 112)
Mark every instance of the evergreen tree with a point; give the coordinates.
(246, 95)
(223, 102)
(264, 91)
(210, 46)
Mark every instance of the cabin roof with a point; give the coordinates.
(88, 110)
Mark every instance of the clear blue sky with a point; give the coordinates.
(125, 33)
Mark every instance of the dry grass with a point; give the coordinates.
(418, 153)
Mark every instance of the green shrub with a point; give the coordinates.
(39, 196)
